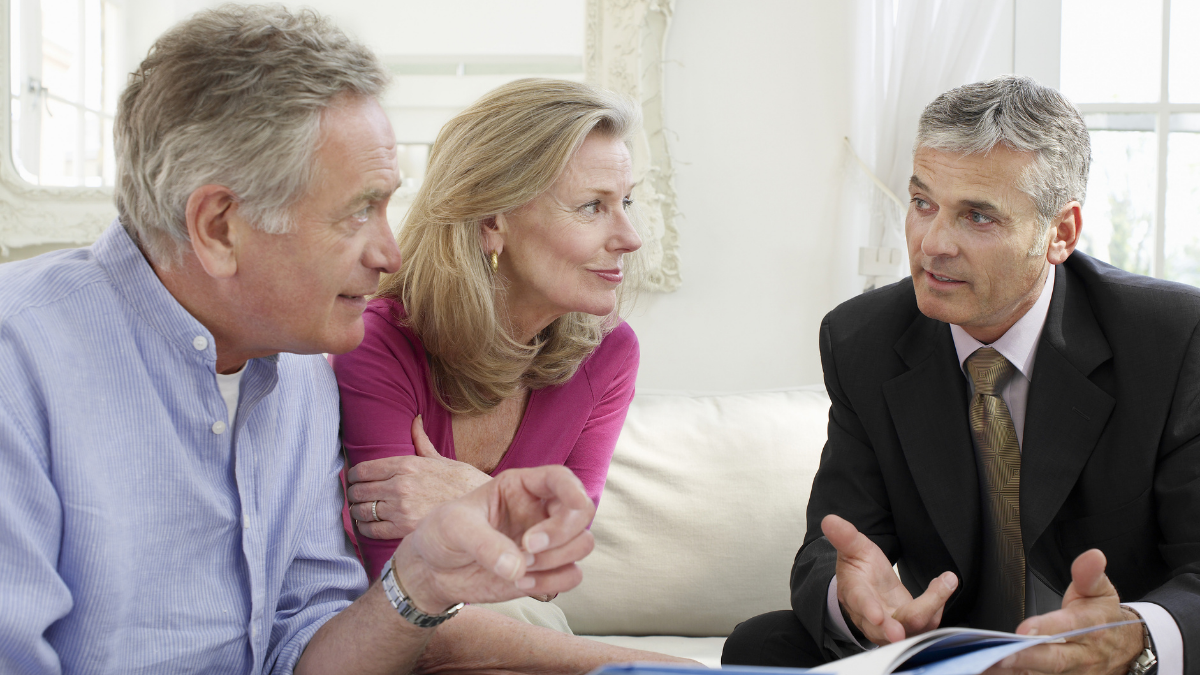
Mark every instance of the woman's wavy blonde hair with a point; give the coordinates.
(497, 155)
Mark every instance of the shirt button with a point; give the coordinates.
(200, 343)
(246, 522)
(218, 427)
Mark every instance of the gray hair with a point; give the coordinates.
(232, 96)
(1025, 116)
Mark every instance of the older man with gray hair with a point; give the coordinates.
(169, 491)
(1012, 497)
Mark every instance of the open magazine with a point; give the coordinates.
(946, 651)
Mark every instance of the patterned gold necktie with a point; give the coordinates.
(996, 438)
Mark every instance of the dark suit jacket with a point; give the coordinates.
(1110, 459)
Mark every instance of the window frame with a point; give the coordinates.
(624, 50)
(100, 114)
(36, 215)
(1037, 44)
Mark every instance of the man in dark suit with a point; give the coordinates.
(1016, 427)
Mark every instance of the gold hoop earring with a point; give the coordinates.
(495, 262)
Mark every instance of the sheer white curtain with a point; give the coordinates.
(909, 52)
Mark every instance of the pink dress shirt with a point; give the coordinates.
(385, 383)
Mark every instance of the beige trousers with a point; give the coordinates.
(536, 612)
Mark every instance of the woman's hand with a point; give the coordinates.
(389, 497)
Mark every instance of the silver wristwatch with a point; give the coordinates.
(406, 608)
(1145, 661)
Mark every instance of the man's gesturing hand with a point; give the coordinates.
(518, 534)
(871, 594)
(1090, 600)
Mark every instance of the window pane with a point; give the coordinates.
(1185, 52)
(1182, 240)
(60, 160)
(61, 57)
(1111, 50)
(114, 74)
(93, 161)
(1118, 215)
(21, 157)
(65, 74)
(110, 161)
(93, 59)
(15, 79)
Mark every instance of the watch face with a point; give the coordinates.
(1143, 663)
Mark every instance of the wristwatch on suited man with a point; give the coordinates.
(1146, 662)
(407, 609)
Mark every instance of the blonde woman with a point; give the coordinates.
(498, 344)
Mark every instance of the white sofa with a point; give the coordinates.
(701, 517)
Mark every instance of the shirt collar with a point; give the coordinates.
(1019, 343)
(145, 294)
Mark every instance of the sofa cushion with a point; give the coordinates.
(702, 514)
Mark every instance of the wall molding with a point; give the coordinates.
(624, 52)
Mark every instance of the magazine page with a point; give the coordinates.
(882, 660)
(946, 651)
(944, 658)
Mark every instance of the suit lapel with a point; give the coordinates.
(1066, 412)
(937, 446)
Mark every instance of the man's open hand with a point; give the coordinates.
(1090, 600)
(873, 596)
(519, 534)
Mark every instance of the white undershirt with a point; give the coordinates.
(231, 390)
(1019, 345)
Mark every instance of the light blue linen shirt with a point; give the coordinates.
(137, 533)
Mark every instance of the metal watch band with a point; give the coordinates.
(405, 607)
(1145, 661)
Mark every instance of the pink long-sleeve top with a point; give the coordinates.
(386, 382)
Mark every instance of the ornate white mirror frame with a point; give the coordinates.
(624, 52)
(625, 44)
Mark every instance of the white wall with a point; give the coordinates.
(758, 102)
(758, 96)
